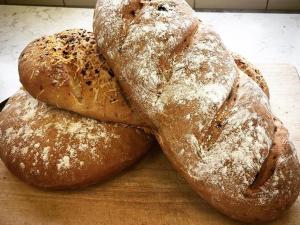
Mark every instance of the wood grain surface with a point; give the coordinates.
(151, 192)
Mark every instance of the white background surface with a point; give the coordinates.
(261, 38)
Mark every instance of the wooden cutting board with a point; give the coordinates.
(151, 192)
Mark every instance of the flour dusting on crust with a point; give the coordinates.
(37, 120)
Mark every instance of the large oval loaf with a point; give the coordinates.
(53, 148)
(65, 70)
(214, 123)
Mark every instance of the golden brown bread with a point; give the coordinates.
(53, 148)
(214, 123)
(53, 69)
(65, 70)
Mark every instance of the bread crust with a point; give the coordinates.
(251, 71)
(53, 148)
(214, 124)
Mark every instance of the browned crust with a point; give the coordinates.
(247, 209)
(56, 149)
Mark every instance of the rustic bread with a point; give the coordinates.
(213, 123)
(66, 71)
(53, 148)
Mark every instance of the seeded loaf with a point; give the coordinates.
(53, 148)
(214, 124)
(66, 71)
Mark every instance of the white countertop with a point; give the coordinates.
(262, 38)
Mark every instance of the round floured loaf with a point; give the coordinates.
(53, 148)
(65, 70)
(214, 124)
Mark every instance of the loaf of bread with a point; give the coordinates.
(214, 124)
(53, 148)
(65, 70)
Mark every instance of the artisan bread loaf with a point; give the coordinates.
(65, 70)
(53, 148)
(214, 124)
